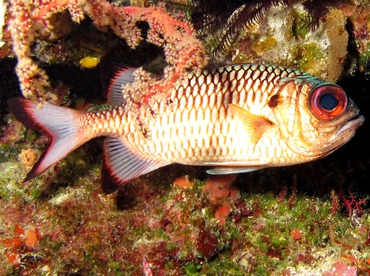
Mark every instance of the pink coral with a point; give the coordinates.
(341, 269)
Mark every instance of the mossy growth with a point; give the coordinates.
(364, 59)
(176, 230)
(311, 59)
(7, 152)
(301, 25)
(266, 44)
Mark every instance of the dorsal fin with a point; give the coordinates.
(123, 75)
(120, 164)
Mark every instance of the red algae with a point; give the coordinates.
(220, 187)
(296, 234)
(207, 243)
(21, 246)
(222, 213)
(176, 229)
(183, 182)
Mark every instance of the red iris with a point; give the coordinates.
(328, 102)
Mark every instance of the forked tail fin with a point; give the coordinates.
(58, 122)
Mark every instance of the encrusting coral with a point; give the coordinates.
(284, 37)
(338, 37)
(309, 35)
(2, 21)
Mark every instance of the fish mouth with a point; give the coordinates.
(352, 124)
(346, 132)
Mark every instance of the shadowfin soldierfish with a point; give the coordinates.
(237, 118)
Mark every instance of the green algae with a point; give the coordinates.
(259, 243)
(365, 57)
(301, 25)
(7, 152)
(311, 58)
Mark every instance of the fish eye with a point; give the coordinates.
(328, 102)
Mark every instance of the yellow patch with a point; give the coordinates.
(89, 62)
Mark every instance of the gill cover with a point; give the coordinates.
(326, 102)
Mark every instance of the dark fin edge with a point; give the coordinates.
(122, 76)
(44, 118)
(120, 165)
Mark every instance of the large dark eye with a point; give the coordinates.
(328, 102)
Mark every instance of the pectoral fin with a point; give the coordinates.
(255, 125)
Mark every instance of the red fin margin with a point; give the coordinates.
(55, 121)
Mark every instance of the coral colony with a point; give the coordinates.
(31, 20)
(309, 35)
(289, 221)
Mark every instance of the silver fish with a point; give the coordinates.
(236, 118)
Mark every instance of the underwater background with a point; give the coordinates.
(309, 219)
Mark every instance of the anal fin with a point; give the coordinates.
(121, 165)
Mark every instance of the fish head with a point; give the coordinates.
(316, 117)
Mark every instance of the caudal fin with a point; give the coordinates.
(58, 122)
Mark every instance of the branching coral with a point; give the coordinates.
(32, 19)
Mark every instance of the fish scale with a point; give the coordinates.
(167, 138)
(192, 127)
(236, 118)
